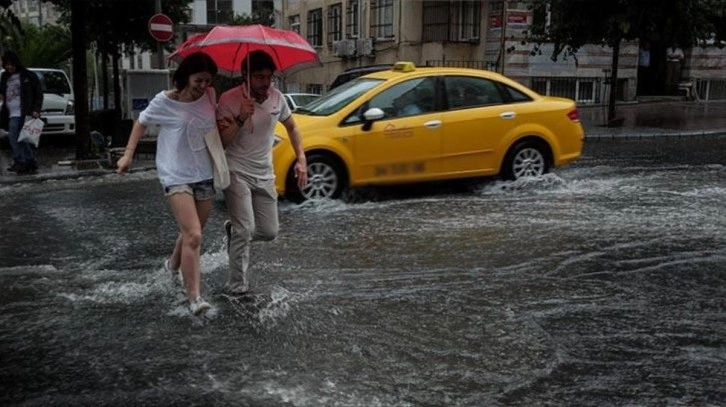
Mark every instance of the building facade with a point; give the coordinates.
(484, 34)
(35, 11)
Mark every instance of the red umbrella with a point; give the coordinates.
(228, 45)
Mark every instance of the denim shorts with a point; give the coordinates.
(201, 191)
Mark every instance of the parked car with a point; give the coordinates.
(57, 112)
(466, 123)
(295, 100)
(355, 72)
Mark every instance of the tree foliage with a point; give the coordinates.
(11, 30)
(48, 46)
(123, 23)
(575, 23)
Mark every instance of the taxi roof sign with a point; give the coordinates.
(404, 66)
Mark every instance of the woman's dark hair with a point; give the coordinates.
(9, 57)
(194, 63)
(259, 60)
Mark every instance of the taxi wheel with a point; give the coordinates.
(326, 180)
(526, 159)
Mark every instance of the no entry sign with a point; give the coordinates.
(161, 27)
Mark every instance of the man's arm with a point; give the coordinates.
(301, 165)
(232, 114)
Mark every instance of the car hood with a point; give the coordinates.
(55, 102)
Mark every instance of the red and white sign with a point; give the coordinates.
(161, 27)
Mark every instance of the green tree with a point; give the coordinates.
(47, 46)
(116, 27)
(575, 23)
(11, 30)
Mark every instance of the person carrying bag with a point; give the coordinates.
(22, 96)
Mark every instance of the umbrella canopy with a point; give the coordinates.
(229, 45)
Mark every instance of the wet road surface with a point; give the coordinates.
(601, 284)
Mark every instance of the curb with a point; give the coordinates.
(654, 136)
(72, 174)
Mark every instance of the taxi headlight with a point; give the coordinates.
(69, 108)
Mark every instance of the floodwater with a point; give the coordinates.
(603, 283)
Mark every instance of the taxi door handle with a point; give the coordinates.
(508, 115)
(433, 124)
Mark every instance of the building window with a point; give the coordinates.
(352, 18)
(315, 88)
(315, 27)
(294, 22)
(219, 11)
(382, 18)
(335, 23)
(541, 18)
(454, 21)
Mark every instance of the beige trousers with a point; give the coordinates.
(252, 208)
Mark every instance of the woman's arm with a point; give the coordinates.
(124, 163)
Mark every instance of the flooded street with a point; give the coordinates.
(603, 283)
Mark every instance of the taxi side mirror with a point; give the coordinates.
(370, 116)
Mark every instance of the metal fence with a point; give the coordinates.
(711, 89)
(486, 65)
(585, 91)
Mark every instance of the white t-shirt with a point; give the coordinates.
(12, 95)
(181, 155)
(674, 54)
(251, 151)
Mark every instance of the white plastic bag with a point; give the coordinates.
(219, 159)
(31, 131)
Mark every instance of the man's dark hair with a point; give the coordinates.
(193, 63)
(259, 60)
(9, 57)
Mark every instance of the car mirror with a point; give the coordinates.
(373, 114)
(370, 116)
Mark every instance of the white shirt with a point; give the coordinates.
(181, 155)
(251, 150)
(12, 95)
(674, 54)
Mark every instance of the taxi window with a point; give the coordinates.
(409, 98)
(339, 97)
(516, 96)
(468, 91)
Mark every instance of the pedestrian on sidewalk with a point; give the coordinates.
(644, 74)
(185, 114)
(246, 117)
(674, 60)
(21, 96)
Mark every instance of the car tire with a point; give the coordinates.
(526, 159)
(326, 179)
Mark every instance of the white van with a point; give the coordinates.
(57, 112)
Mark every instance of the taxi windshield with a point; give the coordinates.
(339, 97)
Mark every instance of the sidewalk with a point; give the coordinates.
(657, 119)
(640, 121)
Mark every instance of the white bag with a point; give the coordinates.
(31, 131)
(219, 159)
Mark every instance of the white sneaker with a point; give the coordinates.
(199, 306)
(175, 274)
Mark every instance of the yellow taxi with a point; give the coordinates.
(411, 124)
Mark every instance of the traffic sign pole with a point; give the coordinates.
(162, 29)
(159, 47)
